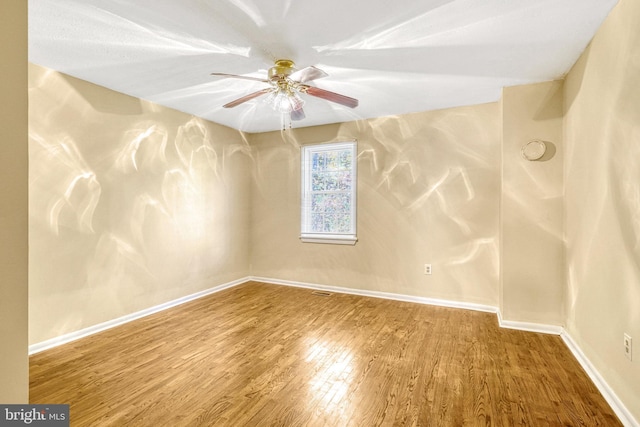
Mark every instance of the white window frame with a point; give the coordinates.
(306, 235)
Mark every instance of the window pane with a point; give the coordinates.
(344, 181)
(344, 223)
(331, 181)
(317, 203)
(317, 223)
(332, 223)
(345, 160)
(331, 203)
(317, 182)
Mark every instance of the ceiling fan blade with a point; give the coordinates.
(308, 74)
(246, 98)
(235, 76)
(297, 114)
(331, 96)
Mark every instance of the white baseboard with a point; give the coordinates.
(529, 327)
(626, 418)
(378, 294)
(72, 336)
(612, 399)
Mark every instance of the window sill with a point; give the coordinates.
(332, 239)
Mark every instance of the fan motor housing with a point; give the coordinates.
(283, 68)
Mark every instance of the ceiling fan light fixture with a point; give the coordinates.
(284, 100)
(282, 103)
(296, 101)
(286, 84)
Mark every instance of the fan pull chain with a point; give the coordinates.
(286, 122)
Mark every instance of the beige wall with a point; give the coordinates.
(428, 192)
(432, 189)
(14, 364)
(532, 236)
(602, 175)
(131, 204)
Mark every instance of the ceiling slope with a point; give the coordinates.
(395, 57)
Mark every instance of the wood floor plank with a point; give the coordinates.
(267, 355)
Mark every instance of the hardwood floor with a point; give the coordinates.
(267, 355)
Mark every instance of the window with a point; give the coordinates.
(329, 193)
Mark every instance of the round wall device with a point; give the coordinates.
(534, 150)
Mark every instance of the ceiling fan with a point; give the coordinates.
(285, 86)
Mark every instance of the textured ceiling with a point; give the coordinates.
(395, 57)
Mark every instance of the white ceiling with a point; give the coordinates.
(396, 57)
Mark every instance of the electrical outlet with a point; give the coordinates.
(427, 269)
(627, 346)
